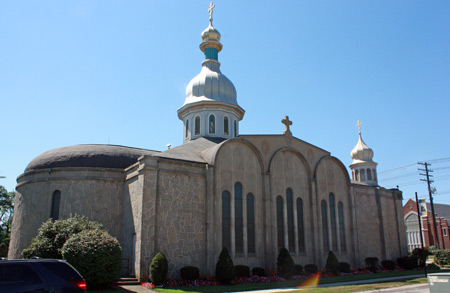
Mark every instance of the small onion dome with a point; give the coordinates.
(361, 152)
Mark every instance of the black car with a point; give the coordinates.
(39, 275)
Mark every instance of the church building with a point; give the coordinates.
(253, 194)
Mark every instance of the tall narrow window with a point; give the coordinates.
(56, 198)
(356, 175)
(363, 174)
(235, 129)
(374, 175)
(197, 125)
(369, 174)
(290, 220)
(212, 124)
(326, 245)
(280, 222)
(251, 244)
(238, 219)
(226, 220)
(300, 226)
(187, 129)
(225, 125)
(333, 223)
(341, 226)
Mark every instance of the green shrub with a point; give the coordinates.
(259, 272)
(388, 264)
(310, 269)
(96, 255)
(421, 256)
(158, 269)
(53, 234)
(332, 263)
(189, 273)
(443, 257)
(344, 267)
(433, 266)
(285, 264)
(407, 262)
(3, 250)
(241, 271)
(432, 250)
(224, 267)
(298, 270)
(371, 263)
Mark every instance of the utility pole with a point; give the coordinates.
(429, 181)
(419, 214)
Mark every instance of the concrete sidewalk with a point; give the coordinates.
(140, 289)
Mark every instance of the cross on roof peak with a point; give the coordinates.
(358, 124)
(287, 123)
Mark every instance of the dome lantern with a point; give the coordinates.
(363, 167)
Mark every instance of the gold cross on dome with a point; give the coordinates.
(287, 123)
(210, 10)
(358, 124)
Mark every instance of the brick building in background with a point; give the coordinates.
(412, 225)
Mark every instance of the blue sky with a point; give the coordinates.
(98, 72)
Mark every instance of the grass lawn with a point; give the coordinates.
(328, 280)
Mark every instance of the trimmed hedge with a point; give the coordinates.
(224, 267)
(298, 270)
(257, 271)
(407, 262)
(421, 256)
(158, 269)
(96, 255)
(388, 264)
(242, 271)
(285, 264)
(311, 269)
(371, 263)
(190, 273)
(332, 263)
(344, 267)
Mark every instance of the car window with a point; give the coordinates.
(17, 275)
(62, 270)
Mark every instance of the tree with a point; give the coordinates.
(224, 267)
(6, 213)
(285, 264)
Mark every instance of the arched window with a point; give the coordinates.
(374, 175)
(197, 125)
(369, 174)
(363, 174)
(356, 175)
(290, 220)
(300, 226)
(187, 129)
(326, 245)
(251, 244)
(225, 125)
(235, 129)
(280, 223)
(238, 219)
(212, 124)
(226, 220)
(333, 223)
(56, 198)
(341, 226)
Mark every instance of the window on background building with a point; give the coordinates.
(326, 245)
(251, 245)
(363, 174)
(56, 198)
(412, 226)
(341, 226)
(334, 243)
(238, 219)
(290, 220)
(369, 174)
(280, 222)
(225, 125)
(300, 226)
(444, 231)
(226, 220)
(212, 124)
(187, 129)
(197, 125)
